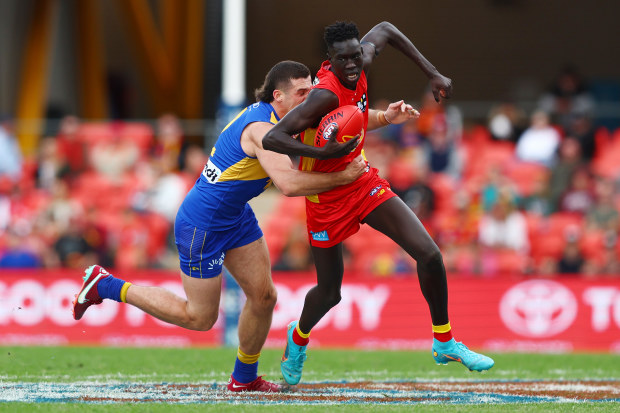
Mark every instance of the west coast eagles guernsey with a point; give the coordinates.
(230, 178)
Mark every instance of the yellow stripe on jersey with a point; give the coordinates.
(273, 119)
(236, 117)
(307, 164)
(247, 169)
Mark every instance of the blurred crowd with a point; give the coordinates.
(523, 193)
(96, 192)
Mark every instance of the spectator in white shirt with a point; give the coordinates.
(539, 142)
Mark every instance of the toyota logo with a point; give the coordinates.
(538, 308)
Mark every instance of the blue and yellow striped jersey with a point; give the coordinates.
(230, 178)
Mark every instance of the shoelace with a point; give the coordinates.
(297, 360)
(470, 353)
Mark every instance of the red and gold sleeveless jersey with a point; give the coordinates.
(325, 79)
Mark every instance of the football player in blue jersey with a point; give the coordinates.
(215, 226)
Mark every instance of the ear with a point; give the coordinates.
(278, 95)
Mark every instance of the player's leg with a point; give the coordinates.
(326, 293)
(198, 312)
(200, 259)
(396, 220)
(251, 268)
(319, 300)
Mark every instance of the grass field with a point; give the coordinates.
(193, 379)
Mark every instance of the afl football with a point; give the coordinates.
(346, 122)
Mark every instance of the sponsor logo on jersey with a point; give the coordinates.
(375, 190)
(362, 103)
(320, 236)
(211, 172)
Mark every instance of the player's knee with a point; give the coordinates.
(269, 298)
(332, 298)
(265, 299)
(433, 258)
(203, 323)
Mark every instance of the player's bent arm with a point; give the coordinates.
(386, 33)
(306, 115)
(292, 182)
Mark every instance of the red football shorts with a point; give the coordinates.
(339, 213)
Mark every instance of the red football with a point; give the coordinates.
(346, 122)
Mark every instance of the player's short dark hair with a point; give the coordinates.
(340, 31)
(277, 78)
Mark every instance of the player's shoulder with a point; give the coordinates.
(262, 112)
(325, 79)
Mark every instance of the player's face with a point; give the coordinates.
(347, 61)
(296, 93)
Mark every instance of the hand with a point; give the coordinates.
(400, 112)
(354, 169)
(441, 86)
(333, 149)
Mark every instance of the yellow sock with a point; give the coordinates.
(247, 358)
(443, 332)
(442, 328)
(302, 335)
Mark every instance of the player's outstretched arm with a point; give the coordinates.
(386, 33)
(306, 115)
(396, 113)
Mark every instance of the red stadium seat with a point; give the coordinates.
(444, 187)
(526, 175)
(140, 133)
(592, 244)
(95, 132)
(511, 262)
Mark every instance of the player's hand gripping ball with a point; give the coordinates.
(346, 122)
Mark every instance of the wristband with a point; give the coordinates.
(382, 119)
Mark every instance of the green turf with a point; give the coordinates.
(215, 364)
(68, 364)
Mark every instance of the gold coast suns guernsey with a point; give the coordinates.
(325, 79)
(230, 178)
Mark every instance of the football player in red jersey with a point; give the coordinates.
(335, 215)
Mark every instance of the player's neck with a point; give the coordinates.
(281, 111)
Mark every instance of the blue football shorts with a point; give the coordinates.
(202, 253)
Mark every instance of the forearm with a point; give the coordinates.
(282, 143)
(303, 183)
(377, 119)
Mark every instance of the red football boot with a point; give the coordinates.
(88, 294)
(257, 385)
